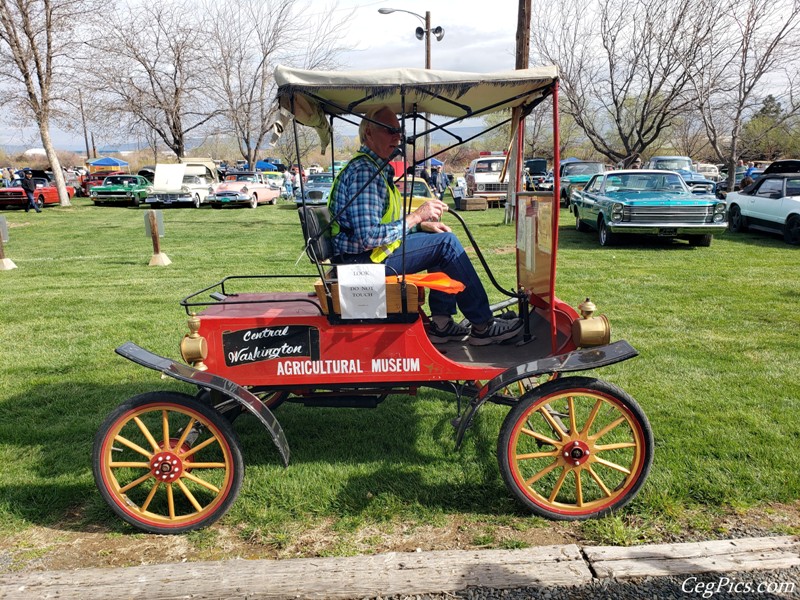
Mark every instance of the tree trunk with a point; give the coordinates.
(55, 164)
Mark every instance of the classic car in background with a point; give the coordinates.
(250, 188)
(188, 183)
(420, 192)
(317, 188)
(46, 193)
(483, 175)
(94, 179)
(647, 202)
(738, 178)
(535, 170)
(771, 203)
(574, 175)
(684, 166)
(120, 189)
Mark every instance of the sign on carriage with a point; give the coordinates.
(362, 291)
(269, 343)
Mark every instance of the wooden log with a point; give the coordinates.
(745, 554)
(312, 578)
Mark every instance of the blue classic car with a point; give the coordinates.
(684, 166)
(647, 202)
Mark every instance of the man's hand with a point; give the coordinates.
(430, 211)
(434, 227)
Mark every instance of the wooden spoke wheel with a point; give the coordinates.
(166, 463)
(575, 448)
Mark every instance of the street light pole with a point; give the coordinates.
(420, 33)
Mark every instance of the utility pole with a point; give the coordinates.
(83, 119)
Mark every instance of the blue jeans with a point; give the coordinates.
(31, 202)
(443, 252)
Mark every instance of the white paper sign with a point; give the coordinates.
(362, 291)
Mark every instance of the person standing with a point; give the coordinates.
(370, 230)
(29, 187)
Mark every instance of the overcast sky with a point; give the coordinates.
(479, 37)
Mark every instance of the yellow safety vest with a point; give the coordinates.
(394, 211)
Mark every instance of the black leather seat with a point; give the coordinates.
(316, 221)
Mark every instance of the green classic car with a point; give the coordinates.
(124, 189)
(574, 175)
(647, 202)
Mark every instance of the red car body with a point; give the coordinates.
(46, 193)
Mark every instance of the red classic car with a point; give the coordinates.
(46, 193)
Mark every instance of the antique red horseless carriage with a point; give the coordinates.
(571, 447)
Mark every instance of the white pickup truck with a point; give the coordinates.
(483, 175)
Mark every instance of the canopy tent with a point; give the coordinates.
(312, 95)
(435, 162)
(263, 165)
(107, 161)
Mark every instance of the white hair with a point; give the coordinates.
(369, 116)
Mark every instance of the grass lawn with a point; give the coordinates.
(717, 375)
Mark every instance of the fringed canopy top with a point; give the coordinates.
(312, 95)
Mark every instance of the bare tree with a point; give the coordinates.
(148, 62)
(246, 39)
(754, 51)
(688, 135)
(621, 65)
(34, 40)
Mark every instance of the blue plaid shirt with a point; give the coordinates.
(360, 224)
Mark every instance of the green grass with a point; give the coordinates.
(717, 375)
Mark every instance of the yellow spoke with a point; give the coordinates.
(549, 418)
(150, 496)
(205, 465)
(540, 437)
(189, 495)
(537, 455)
(542, 473)
(608, 428)
(184, 435)
(202, 482)
(133, 446)
(598, 481)
(146, 433)
(578, 487)
(170, 501)
(210, 440)
(573, 427)
(558, 485)
(131, 464)
(616, 446)
(165, 428)
(611, 465)
(135, 482)
(590, 421)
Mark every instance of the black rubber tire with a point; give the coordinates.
(604, 234)
(136, 202)
(253, 201)
(737, 222)
(701, 241)
(530, 466)
(223, 455)
(791, 230)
